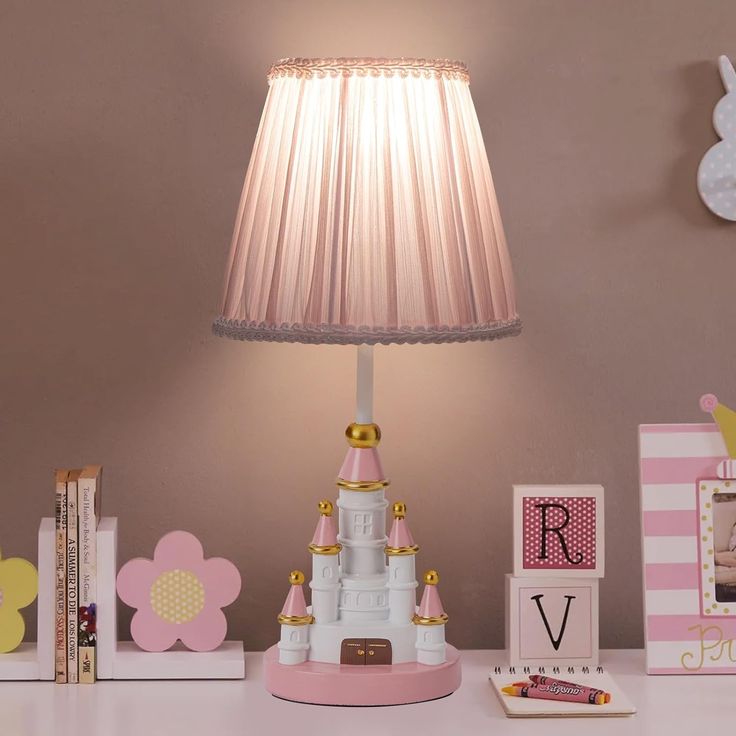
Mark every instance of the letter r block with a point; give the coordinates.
(551, 622)
(558, 531)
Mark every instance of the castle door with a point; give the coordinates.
(365, 651)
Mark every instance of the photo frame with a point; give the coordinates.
(687, 629)
(717, 561)
(559, 531)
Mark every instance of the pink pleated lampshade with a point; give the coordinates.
(368, 213)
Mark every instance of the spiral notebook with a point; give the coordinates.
(516, 707)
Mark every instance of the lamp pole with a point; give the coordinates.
(364, 385)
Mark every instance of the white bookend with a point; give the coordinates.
(107, 618)
(227, 662)
(20, 664)
(46, 589)
(126, 660)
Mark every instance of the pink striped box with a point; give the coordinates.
(688, 628)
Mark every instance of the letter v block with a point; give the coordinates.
(551, 621)
(558, 531)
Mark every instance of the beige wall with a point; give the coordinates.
(125, 130)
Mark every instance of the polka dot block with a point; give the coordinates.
(558, 530)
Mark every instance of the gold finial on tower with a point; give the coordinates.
(431, 577)
(325, 507)
(399, 510)
(296, 577)
(363, 436)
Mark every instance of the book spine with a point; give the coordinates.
(87, 581)
(60, 592)
(72, 583)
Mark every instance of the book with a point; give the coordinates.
(90, 487)
(60, 590)
(72, 577)
(517, 707)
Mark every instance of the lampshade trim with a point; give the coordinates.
(349, 335)
(363, 67)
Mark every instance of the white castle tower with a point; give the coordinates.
(325, 583)
(402, 577)
(363, 582)
(430, 619)
(295, 620)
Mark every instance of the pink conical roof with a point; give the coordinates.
(295, 605)
(430, 605)
(400, 535)
(362, 464)
(325, 534)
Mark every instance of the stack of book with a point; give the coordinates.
(77, 513)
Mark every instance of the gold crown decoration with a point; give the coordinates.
(296, 577)
(431, 577)
(363, 436)
(724, 417)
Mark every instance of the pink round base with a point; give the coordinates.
(335, 684)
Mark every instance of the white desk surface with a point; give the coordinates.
(671, 705)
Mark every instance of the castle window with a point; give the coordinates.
(364, 600)
(294, 636)
(326, 572)
(363, 524)
(427, 636)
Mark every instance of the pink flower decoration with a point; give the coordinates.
(178, 595)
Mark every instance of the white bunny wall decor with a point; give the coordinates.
(717, 170)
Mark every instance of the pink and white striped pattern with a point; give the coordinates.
(679, 639)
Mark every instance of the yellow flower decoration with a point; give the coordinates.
(18, 589)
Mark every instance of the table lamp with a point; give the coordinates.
(368, 216)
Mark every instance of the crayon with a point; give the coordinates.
(557, 691)
(544, 680)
